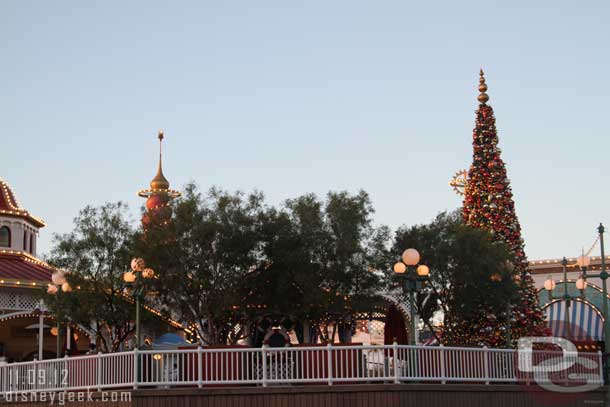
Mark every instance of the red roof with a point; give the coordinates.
(10, 207)
(23, 267)
(7, 197)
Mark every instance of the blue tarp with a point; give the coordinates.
(170, 339)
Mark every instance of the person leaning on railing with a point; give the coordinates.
(91, 350)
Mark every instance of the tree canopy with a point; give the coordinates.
(227, 262)
(469, 272)
(96, 254)
(228, 259)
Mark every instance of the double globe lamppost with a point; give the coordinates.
(583, 263)
(133, 279)
(415, 275)
(581, 284)
(59, 285)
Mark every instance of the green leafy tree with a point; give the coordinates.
(321, 261)
(225, 260)
(470, 278)
(203, 255)
(95, 255)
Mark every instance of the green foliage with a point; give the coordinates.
(202, 256)
(96, 254)
(322, 260)
(225, 260)
(470, 276)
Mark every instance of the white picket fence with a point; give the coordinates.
(297, 365)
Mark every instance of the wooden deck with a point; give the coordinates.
(370, 395)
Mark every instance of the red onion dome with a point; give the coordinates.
(157, 201)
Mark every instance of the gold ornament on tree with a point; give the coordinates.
(459, 182)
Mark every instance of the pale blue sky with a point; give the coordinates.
(294, 97)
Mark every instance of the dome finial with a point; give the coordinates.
(160, 182)
(483, 97)
(159, 193)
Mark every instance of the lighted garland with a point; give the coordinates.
(14, 208)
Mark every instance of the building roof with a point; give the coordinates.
(551, 266)
(21, 269)
(10, 207)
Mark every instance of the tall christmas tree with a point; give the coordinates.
(488, 204)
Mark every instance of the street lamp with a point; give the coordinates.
(583, 262)
(132, 278)
(549, 285)
(59, 285)
(415, 276)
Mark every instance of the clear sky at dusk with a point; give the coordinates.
(296, 97)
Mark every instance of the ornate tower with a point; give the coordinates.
(159, 195)
(18, 228)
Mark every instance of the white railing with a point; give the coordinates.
(293, 365)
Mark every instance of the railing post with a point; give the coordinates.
(199, 366)
(529, 360)
(135, 368)
(264, 357)
(600, 360)
(329, 359)
(486, 363)
(396, 365)
(35, 374)
(442, 356)
(99, 371)
(67, 372)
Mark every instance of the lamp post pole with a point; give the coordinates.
(412, 334)
(602, 275)
(414, 280)
(566, 296)
(583, 262)
(549, 285)
(42, 310)
(132, 278)
(58, 349)
(58, 345)
(59, 285)
(137, 295)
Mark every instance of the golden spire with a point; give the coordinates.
(159, 186)
(483, 98)
(159, 182)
